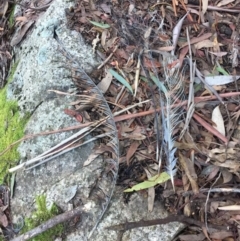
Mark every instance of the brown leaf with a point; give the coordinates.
(151, 63)
(204, 6)
(131, 150)
(188, 167)
(21, 19)
(221, 235)
(21, 33)
(74, 114)
(103, 38)
(191, 237)
(122, 53)
(3, 8)
(227, 176)
(213, 173)
(105, 82)
(198, 39)
(97, 151)
(3, 219)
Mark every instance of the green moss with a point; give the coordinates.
(11, 17)
(11, 129)
(41, 215)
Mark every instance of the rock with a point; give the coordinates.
(64, 180)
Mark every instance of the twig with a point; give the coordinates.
(119, 118)
(109, 57)
(62, 147)
(208, 127)
(49, 224)
(228, 190)
(71, 128)
(205, 206)
(173, 218)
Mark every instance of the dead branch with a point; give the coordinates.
(49, 224)
(173, 218)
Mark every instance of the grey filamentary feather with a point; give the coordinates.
(171, 93)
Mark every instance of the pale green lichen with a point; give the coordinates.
(41, 215)
(11, 128)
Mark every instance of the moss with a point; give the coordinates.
(11, 17)
(11, 128)
(41, 215)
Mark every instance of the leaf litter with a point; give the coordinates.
(133, 40)
(144, 34)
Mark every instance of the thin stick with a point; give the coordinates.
(49, 224)
(107, 59)
(228, 190)
(173, 218)
(118, 118)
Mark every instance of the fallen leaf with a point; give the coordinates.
(121, 79)
(147, 32)
(21, 33)
(3, 219)
(221, 235)
(227, 176)
(103, 38)
(131, 150)
(218, 54)
(153, 181)
(3, 8)
(189, 169)
(204, 44)
(105, 83)
(97, 151)
(220, 79)
(100, 25)
(191, 237)
(204, 6)
(224, 2)
(176, 32)
(218, 120)
(230, 208)
(198, 39)
(95, 42)
(74, 114)
(151, 63)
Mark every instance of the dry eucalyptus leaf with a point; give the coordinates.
(218, 120)
(230, 208)
(105, 83)
(204, 44)
(3, 219)
(224, 2)
(227, 176)
(132, 149)
(17, 38)
(204, 6)
(3, 8)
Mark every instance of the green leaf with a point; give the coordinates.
(222, 70)
(153, 181)
(158, 83)
(120, 79)
(100, 25)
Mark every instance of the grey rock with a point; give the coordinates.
(64, 180)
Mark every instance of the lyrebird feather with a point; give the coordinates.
(170, 96)
(170, 86)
